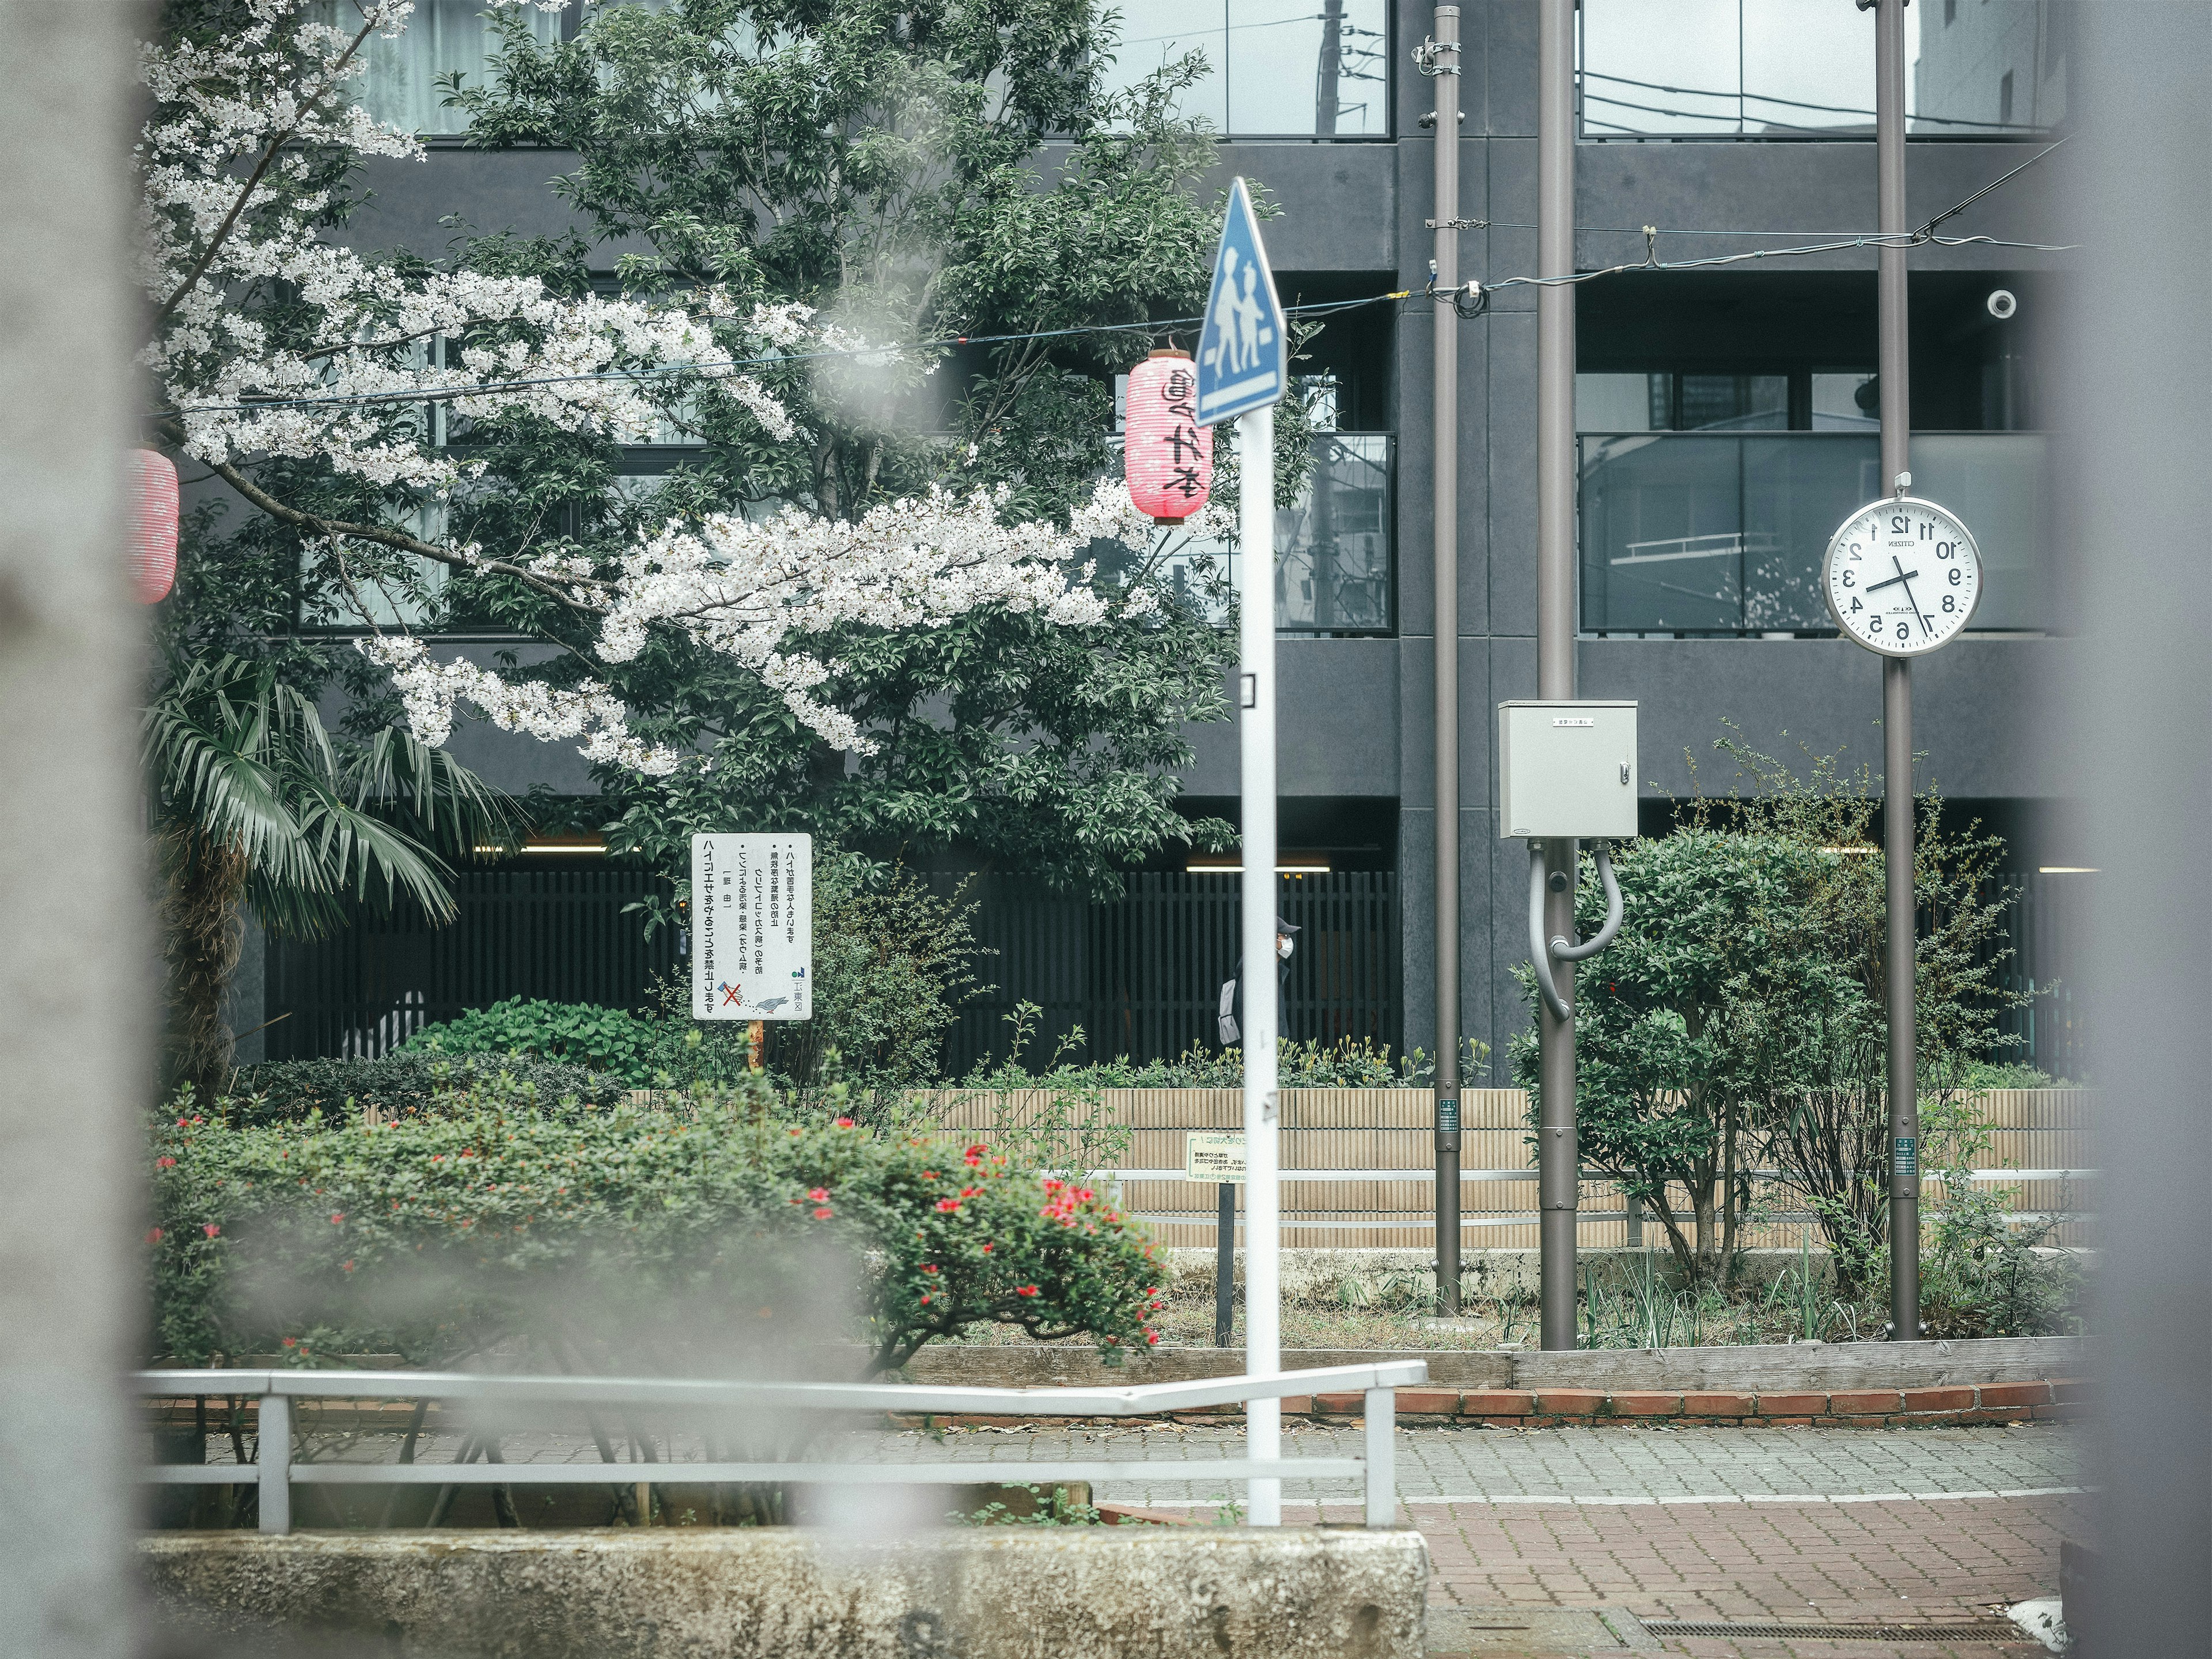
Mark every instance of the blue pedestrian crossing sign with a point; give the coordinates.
(1243, 350)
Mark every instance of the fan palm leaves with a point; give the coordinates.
(253, 801)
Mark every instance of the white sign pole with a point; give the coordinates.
(1256, 598)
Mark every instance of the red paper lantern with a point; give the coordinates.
(1168, 457)
(153, 556)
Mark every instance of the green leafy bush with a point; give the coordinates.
(404, 1085)
(575, 1033)
(620, 1233)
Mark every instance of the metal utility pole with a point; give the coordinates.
(1331, 66)
(1893, 379)
(1558, 1159)
(1439, 60)
(1255, 599)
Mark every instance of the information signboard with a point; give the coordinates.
(752, 927)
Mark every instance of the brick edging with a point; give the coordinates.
(2060, 1399)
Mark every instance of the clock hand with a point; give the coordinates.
(1903, 575)
(1925, 630)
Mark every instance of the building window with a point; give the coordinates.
(400, 86)
(1272, 71)
(1789, 69)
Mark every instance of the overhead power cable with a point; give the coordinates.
(447, 394)
(1469, 300)
(1650, 261)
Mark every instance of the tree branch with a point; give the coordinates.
(253, 182)
(399, 540)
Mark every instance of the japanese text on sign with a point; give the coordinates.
(752, 927)
(1213, 1156)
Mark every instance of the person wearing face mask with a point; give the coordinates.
(1231, 1005)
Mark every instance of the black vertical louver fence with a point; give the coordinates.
(560, 934)
(1139, 976)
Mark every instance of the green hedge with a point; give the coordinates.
(573, 1033)
(406, 1085)
(717, 1236)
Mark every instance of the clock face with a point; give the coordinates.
(1903, 576)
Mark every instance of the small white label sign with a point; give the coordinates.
(752, 927)
(1213, 1156)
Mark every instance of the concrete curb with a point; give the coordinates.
(774, 1592)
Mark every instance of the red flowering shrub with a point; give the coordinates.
(441, 1237)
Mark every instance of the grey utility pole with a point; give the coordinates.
(1439, 60)
(1894, 380)
(1557, 1156)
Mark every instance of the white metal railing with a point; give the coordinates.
(275, 1472)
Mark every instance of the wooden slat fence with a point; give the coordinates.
(1346, 1133)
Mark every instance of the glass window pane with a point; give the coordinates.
(1156, 32)
(1333, 544)
(1845, 403)
(1615, 403)
(1998, 484)
(1735, 402)
(1333, 572)
(1795, 491)
(1797, 69)
(1661, 535)
(1809, 68)
(1659, 66)
(1977, 58)
(1295, 67)
(400, 85)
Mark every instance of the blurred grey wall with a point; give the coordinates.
(78, 998)
(2140, 197)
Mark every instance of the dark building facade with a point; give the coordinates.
(1725, 412)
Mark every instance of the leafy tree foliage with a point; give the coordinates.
(1742, 1009)
(887, 167)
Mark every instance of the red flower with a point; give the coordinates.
(180, 1123)
(822, 1212)
(946, 1206)
(987, 1250)
(971, 1192)
(1025, 1290)
(1152, 1339)
(209, 1229)
(153, 1235)
(165, 1164)
(844, 1122)
(977, 1150)
(929, 1175)
(337, 1216)
(291, 1342)
(924, 1295)
(819, 1194)
(929, 1267)
(1051, 1185)
(346, 1267)
(437, 1157)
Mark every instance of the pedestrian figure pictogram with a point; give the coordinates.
(1243, 356)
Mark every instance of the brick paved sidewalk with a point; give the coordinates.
(1917, 1562)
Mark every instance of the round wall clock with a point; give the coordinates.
(1903, 576)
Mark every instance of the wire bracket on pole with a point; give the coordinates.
(1428, 55)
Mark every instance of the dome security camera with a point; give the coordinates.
(2002, 303)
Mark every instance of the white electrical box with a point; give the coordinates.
(1567, 770)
